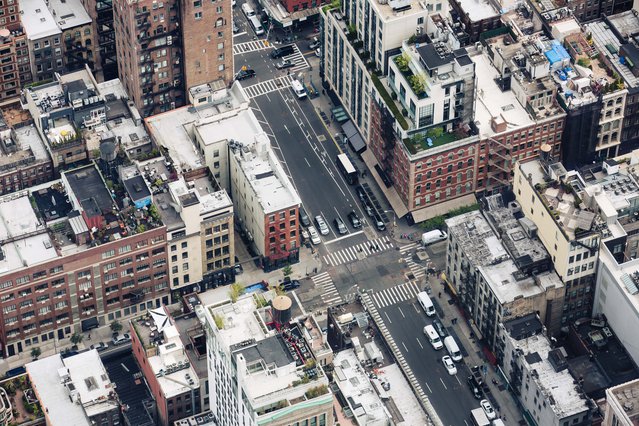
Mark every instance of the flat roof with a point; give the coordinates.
(266, 175)
(271, 350)
(24, 240)
(69, 13)
(478, 10)
(241, 127)
(92, 382)
(523, 327)
(626, 397)
(37, 20)
(136, 188)
(603, 38)
(357, 389)
(399, 9)
(476, 238)
(558, 386)
(503, 281)
(89, 189)
(52, 394)
(493, 103)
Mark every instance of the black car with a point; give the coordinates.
(290, 284)
(439, 327)
(474, 388)
(361, 193)
(244, 74)
(354, 219)
(282, 51)
(306, 221)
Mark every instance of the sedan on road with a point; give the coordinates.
(287, 63)
(315, 238)
(321, 225)
(473, 387)
(488, 409)
(314, 44)
(100, 346)
(244, 74)
(290, 285)
(340, 226)
(449, 364)
(354, 219)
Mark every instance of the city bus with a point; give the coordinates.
(257, 26)
(348, 170)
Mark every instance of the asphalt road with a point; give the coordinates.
(449, 395)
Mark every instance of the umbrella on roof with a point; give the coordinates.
(160, 318)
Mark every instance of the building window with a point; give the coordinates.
(198, 15)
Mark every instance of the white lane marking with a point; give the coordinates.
(443, 384)
(388, 318)
(419, 343)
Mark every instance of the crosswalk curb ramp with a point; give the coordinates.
(353, 253)
(330, 295)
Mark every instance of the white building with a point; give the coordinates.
(74, 390)
(255, 373)
(540, 375)
(622, 405)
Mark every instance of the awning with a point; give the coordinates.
(443, 208)
(391, 193)
(355, 140)
(90, 323)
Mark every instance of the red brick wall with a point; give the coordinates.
(296, 5)
(282, 233)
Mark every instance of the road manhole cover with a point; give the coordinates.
(321, 138)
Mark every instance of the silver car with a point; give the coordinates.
(315, 238)
(321, 225)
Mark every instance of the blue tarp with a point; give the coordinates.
(557, 53)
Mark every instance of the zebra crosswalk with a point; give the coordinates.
(392, 295)
(298, 59)
(358, 251)
(268, 86)
(330, 296)
(251, 46)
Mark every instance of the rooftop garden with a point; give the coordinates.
(335, 4)
(388, 100)
(434, 137)
(416, 81)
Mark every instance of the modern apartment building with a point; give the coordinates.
(74, 257)
(266, 202)
(539, 375)
(261, 368)
(75, 390)
(500, 271)
(200, 236)
(567, 223)
(164, 48)
(162, 358)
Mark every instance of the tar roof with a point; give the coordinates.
(136, 188)
(89, 190)
(271, 350)
(523, 327)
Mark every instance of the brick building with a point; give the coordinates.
(155, 63)
(13, 52)
(75, 258)
(103, 38)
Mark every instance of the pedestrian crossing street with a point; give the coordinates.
(330, 296)
(251, 46)
(392, 295)
(268, 86)
(354, 252)
(298, 59)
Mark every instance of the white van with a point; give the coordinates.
(427, 304)
(452, 348)
(433, 337)
(248, 10)
(255, 24)
(298, 89)
(432, 237)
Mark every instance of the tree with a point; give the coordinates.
(35, 353)
(116, 326)
(76, 338)
(287, 271)
(236, 291)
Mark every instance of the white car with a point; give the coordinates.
(304, 233)
(318, 53)
(321, 224)
(450, 365)
(488, 409)
(315, 238)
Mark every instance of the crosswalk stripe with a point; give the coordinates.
(354, 252)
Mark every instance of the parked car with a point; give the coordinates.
(286, 63)
(121, 339)
(354, 219)
(340, 226)
(474, 388)
(449, 364)
(244, 74)
(236, 29)
(304, 233)
(321, 225)
(439, 327)
(318, 53)
(306, 221)
(361, 193)
(100, 346)
(315, 238)
(314, 44)
(290, 285)
(488, 409)
(379, 223)
(369, 209)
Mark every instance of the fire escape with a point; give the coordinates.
(76, 55)
(388, 139)
(106, 38)
(499, 164)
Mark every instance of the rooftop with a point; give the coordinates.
(19, 147)
(37, 20)
(265, 175)
(476, 238)
(89, 191)
(523, 327)
(53, 394)
(494, 106)
(557, 385)
(69, 13)
(478, 10)
(626, 397)
(508, 284)
(353, 382)
(175, 130)
(401, 9)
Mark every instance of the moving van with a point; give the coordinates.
(248, 10)
(432, 237)
(426, 303)
(433, 337)
(452, 348)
